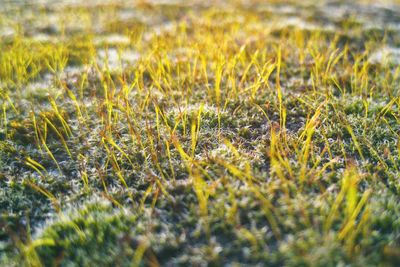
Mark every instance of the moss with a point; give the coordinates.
(94, 234)
(17, 214)
(296, 143)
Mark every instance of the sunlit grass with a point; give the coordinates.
(208, 134)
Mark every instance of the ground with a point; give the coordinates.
(180, 133)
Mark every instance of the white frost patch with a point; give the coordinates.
(299, 23)
(386, 55)
(164, 28)
(221, 150)
(115, 60)
(39, 89)
(194, 108)
(72, 73)
(280, 9)
(167, 27)
(133, 15)
(335, 13)
(7, 32)
(112, 39)
(75, 70)
(44, 38)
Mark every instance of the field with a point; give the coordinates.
(199, 133)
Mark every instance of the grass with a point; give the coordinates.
(211, 134)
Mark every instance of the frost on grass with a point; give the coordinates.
(113, 59)
(386, 55)
(182, 133)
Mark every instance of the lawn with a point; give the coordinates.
(199, 133)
